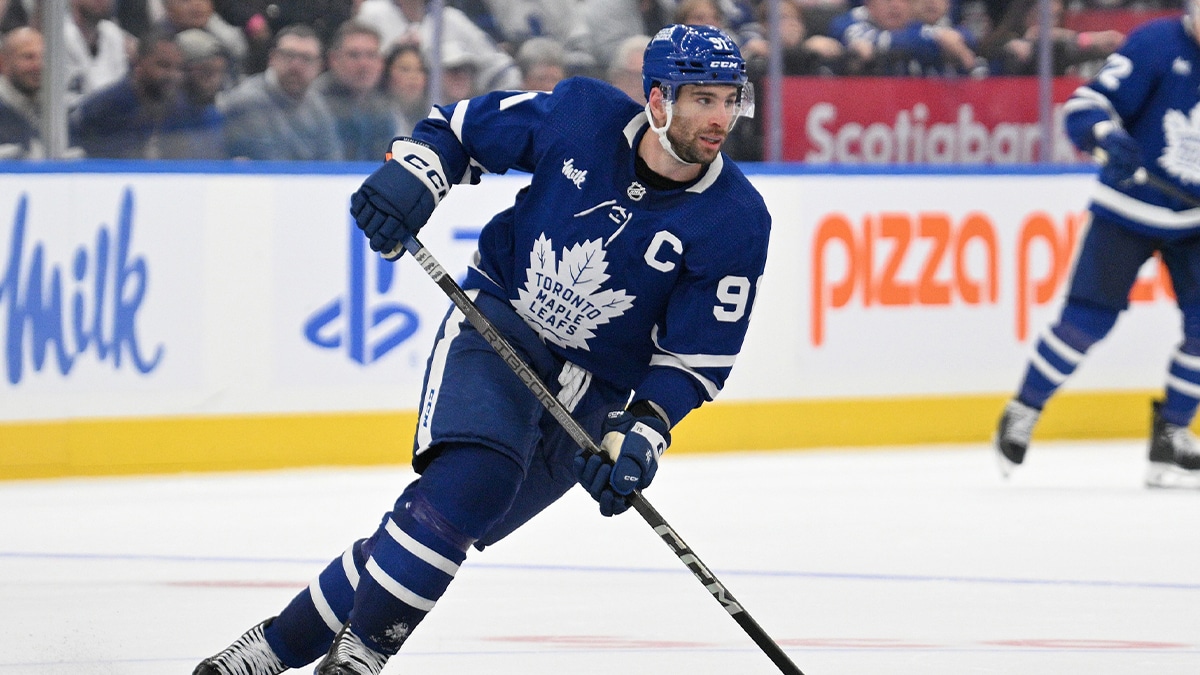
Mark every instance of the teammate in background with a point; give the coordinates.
(624, 274)
(1137, 113)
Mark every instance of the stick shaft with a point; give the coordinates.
(652, 517)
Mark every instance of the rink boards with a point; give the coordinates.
(169, 317)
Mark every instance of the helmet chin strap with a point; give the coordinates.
(662, 131)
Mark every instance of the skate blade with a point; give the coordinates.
(1171, 476)
(1007, 466)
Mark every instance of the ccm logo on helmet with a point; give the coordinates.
(723, 64)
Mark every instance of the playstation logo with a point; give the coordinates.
(362, 320)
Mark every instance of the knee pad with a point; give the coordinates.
(467, 489)
(1082, 325)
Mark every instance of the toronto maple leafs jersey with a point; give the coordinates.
(1151, 88)
(647, 289)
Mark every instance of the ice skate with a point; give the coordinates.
(349, 656)
(1174, 457)
(248, 655)
(1013, 434)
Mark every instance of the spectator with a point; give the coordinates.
(803, 52)
(408, 20)
(199, 14)
(883, 37)
(612, 21)
(97, 49)
(1012, 46)
(699, 13)
(625, 70)
(129, 118)
(20, 84)
(277, 114)
(952, 50)
(365, 122)
(200, 132)
(460, 72)
(406, 84)
(561, 20)
(261, 20)
(137, 17)
(543, 64)
(13, 14)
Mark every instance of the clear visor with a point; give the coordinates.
(742, 107)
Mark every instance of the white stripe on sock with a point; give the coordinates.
(420, 550)
(322, 605)
(397, 589)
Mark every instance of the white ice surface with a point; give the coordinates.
(857, 562)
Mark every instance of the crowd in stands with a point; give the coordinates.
(337, 79)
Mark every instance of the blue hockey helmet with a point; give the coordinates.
(683, 54)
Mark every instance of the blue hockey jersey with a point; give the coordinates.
(647, 289)
(1151, 88)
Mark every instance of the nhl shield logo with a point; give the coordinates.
(636, 191)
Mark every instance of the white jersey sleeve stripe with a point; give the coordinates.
(1155, 216)
(458, 117)
(397, 589)
(1086, 98)
(506, 103)
(672, 361)
(426, 554)
(695, 360)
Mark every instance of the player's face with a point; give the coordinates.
(703, 115)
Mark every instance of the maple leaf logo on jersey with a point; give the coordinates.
(562, 299)
(1181, 154)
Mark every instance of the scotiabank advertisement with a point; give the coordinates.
(191, 293)
(891, 120)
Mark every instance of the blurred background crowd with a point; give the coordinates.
(337, 79)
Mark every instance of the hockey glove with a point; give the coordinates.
(631, 444)
(1122, 154)
(397, 200)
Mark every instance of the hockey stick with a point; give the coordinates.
(1144, 177)
(522, 370)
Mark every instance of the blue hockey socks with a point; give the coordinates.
(304, 630)
(1060, 349)
(1183, 384)
(422, 543)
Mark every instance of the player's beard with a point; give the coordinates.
(689, 145)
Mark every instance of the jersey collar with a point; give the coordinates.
(633, 132)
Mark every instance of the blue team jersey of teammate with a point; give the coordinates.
(1151, 87)
(647, 289)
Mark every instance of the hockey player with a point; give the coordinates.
(624, 274)
(1140, 114)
